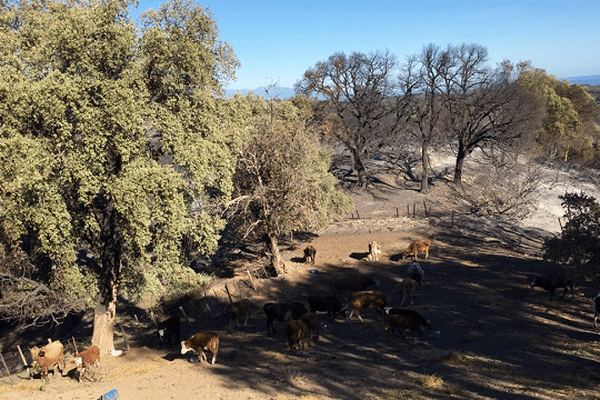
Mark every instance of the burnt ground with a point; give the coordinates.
(497, 338)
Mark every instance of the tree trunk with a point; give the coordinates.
(275, 255)
(460, 159)
(104, 326)
(425, 166)
(106, 310)
(359, 167)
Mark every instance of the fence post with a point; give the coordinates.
(25, 364)
(6, 368)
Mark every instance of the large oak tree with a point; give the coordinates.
(114, 144)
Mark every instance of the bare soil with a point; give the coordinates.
(494, 337)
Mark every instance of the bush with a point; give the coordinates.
(579, 243)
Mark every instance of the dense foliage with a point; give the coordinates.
(579, 243)
(570, 126)
(117, 152)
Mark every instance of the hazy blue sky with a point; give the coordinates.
(279, 40)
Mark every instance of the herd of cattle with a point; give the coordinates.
(300, 323)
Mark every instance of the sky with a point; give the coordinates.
(277, 41)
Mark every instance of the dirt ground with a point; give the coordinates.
(497, 338)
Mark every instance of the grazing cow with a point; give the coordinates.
(310, 253)
(202, 341)
(553, 282)
(86, 360)
(296, 331)
(422, 246)
(366, 299)
(237, 309)
(51, 355)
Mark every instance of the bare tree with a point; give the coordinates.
(422, 83)
(485, 105)
(358, 94)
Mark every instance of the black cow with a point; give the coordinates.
(330, 304)
(169, 328)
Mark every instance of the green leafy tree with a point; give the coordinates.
(579, 243)
(282, 183)
(114, 143)
(570, 124)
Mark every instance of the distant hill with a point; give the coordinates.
(280, 93)
(283, 93)
(591, 80)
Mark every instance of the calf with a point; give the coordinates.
(169, 328)
(407, 287)
(282, 312)
(422, 246)
(311, 322)
(295, 330)
(51, 355)
(415, 316)
(402, 323)
(310, 253)
(86, 360)
(237, 309)
(366, 299)
(202, 341)
(330, 304)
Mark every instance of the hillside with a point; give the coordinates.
(493, 337)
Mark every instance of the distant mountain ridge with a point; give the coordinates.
(591, 80)
(281, 93)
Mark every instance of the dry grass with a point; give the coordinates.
(431, 381)
(287, 373)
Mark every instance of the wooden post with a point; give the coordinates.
(408, 210)
(6, 368)
(187, 319)
(153, 318)
(414, 210)
(25, 364)
(75, 346)
(124, 337)
(425, 207)
(228, 294)
(397, 213)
